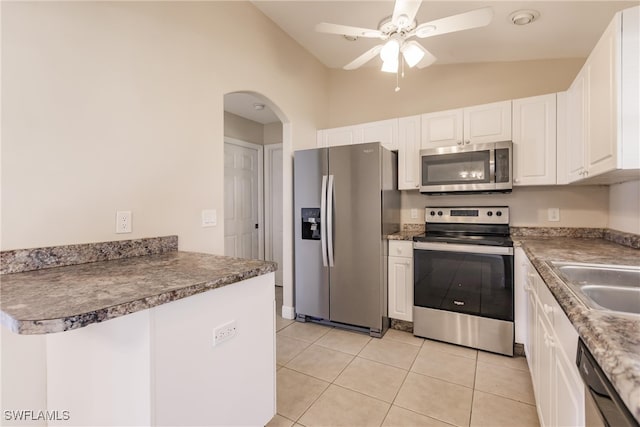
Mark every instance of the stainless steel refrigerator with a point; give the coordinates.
(346, 201)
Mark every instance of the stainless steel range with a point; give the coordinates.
(463, 278)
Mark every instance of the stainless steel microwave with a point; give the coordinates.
(478, 168)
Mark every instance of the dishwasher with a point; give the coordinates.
(603, 406)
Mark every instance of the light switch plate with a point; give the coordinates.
(209, 218)
(553, 214)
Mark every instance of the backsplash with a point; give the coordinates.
(20, 260)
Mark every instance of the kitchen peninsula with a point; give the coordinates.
(124, 333)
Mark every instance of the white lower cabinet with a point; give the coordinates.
(550, 346)
(401, 280)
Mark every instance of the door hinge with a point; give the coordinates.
(256, 226)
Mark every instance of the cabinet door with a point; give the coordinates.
(531, 337)
(401, 288)
(346, 135)
(569, 392)
(543, 379)
(409, 153)
(577, 119)
(602, 102)
(384, 131)
(442, 128)
(534, 140)
(487, 123)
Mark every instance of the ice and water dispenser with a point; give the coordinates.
(311, 223)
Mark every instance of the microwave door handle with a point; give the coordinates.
(492, 165)
(323, 220)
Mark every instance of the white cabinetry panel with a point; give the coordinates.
(409, 153)
(487, 123)
(534, 140)
(401, 280)
(442, 128)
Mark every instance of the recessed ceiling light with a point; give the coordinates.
(524, 17)
(258, 107)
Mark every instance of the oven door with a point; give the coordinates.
(469, 279)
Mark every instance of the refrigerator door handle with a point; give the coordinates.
(329, 227)
(323, 221)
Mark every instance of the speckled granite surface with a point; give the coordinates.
(407, 232)
(16, 261)
(613, 339)
(64, 298)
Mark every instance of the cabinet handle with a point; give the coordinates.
(516, 180)
(548, 309)
(459, 142)
(527, 289)
(467, 142)
(548, 340)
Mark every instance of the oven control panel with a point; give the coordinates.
(467, 215)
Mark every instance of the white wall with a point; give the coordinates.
(119, 106)
(580, 206)
(624, 207)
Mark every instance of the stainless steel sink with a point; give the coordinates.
(602, 286)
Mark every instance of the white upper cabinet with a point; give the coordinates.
(487, 123)
(384, 131)
(345, 135)
(409, 153)
(534, 140)
(470, 125)
(603, 107)
(442, 128)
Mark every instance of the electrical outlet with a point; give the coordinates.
(553, 214)
(224, 332)
(123, 222)
(414, 213)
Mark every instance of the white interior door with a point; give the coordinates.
(273, 207)
(243, 194)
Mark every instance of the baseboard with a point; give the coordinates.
(288, 312)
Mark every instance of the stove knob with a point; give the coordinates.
(439, 213)
(499, 213)
(432, 213)
(490, 213)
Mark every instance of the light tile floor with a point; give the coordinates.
(331, 377)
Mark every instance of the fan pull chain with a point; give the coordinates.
(397, 73)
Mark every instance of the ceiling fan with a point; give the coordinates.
(397, 29)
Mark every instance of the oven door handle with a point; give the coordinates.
(472, 249)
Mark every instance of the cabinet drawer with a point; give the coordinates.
(401, 248)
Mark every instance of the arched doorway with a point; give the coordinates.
(257, 130)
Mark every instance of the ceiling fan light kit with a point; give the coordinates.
(397, 31)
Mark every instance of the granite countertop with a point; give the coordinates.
(613, 339)
(404, 235)
(69, 297)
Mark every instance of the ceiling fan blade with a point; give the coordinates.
(364, 58)
(404, 12)
(463, 21)
(428, 57)
(347, 30)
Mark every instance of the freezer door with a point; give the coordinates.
(311, 276)
(356, 277)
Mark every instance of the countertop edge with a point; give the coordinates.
(63, 324)
(621, 366)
